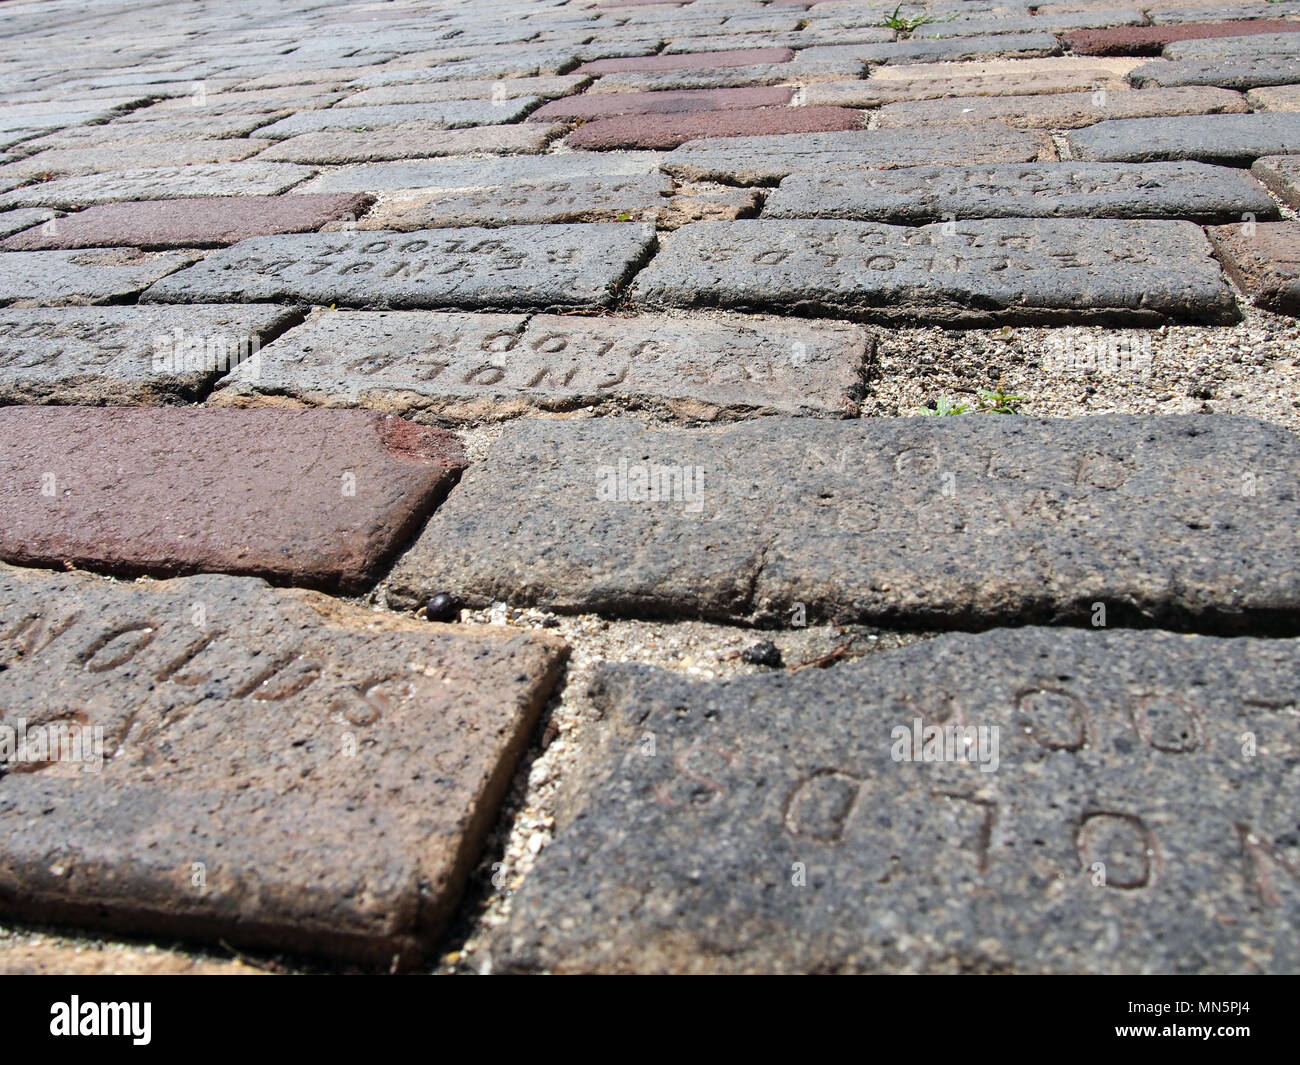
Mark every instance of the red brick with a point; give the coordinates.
(740, 57)
(198, 222)
(312, 497)
(1263, 261)
(612, 104)
(668, 131)
(1149, 40)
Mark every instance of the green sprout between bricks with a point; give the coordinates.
(988, 401)
(906, 25)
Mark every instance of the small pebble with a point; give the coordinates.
(762, 654)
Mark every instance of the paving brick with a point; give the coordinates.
(1066, 110)
(733, 58)
(254, 737)
(1264, 261)
(482, 173)
(448, 114)
(408, 89)
(1237, 140)
(981, 79)
(1003, 45)
(1245, 73)
(98, 160)
(611, 105)
(188, 223)
(606, 199)
(460, 366)
(108, 275)
(1027, 271)
(410, 142)
(800, 824)
(120, 355)
(1275, 98)
(669, 131)
(24, 218)
(1255, 45)
(1281, 173)
(1149, 40)
(163, 182)
(317, 498)
(760, 160)
(859, 520)
(1194, 191)
(511, 268)
(697, 78)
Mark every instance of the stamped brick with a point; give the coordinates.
(1026, 271)
(461, 366)
(1149, 40)
(1066, 110)
(669, 131)
(739, 57)
(482, 173)
(317, 498)
(1144, 514)
(1194, 191)
(248, 178)
(1264, 261)
(121, 355)
(1236, 140)
(106, 275)
(65, 162)
(1281, 173)
(187, 223)
(252, 737)
(1102, 820)
(640, 197)
(612, 105)
(410, 142)
(765, 160)
(511, 268)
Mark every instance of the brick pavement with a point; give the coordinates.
(360, 365)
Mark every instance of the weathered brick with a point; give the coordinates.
(318, 498)
(1149, 40)
(1264, 261)
(669, 131)
(186, 223)
(281, 770)
(688, 60)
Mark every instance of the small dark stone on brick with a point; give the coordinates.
(442, 607)
(765, 653)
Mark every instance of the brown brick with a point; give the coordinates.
(279, 769)
(610, 105)
(1149, 40)
(739, 57)
(1264, 260)
(187, 223)
(318, 498)
(668, 131)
